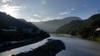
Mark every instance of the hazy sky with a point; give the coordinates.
(42, 10)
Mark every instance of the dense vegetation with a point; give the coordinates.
(88, 29)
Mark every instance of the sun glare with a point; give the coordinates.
(11, 10)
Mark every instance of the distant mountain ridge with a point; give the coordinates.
(69, 28)
(8, 21)
(87, 29)
(53, 25)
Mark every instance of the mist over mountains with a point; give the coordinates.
(53, 25)
(88, 28)
(71, 27)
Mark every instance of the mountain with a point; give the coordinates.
(10, 25)
(53, 25)
(15, 33)
(70, 28)
(8, 21)
(90, 28)
(87, 29)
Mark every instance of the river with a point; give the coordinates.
(74, 47)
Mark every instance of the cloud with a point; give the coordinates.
(67, 12)
(11, 10)
(44, 2)
(8, 7)
(38, 18)
(6, 1)
(36, 15)
(72, 9)
(64, 13)
(31, 19)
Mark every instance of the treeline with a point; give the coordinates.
(88, 29)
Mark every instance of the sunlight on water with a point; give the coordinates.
(30, 47)
(22, 49)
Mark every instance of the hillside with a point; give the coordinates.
(15, 33)
(53, 25)
(88, 29)
(70, 28)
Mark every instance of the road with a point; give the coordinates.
(74, 47)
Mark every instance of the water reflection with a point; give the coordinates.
(50, 48)
(23, 49)
(33, 46)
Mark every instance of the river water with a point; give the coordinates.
(74, 47)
